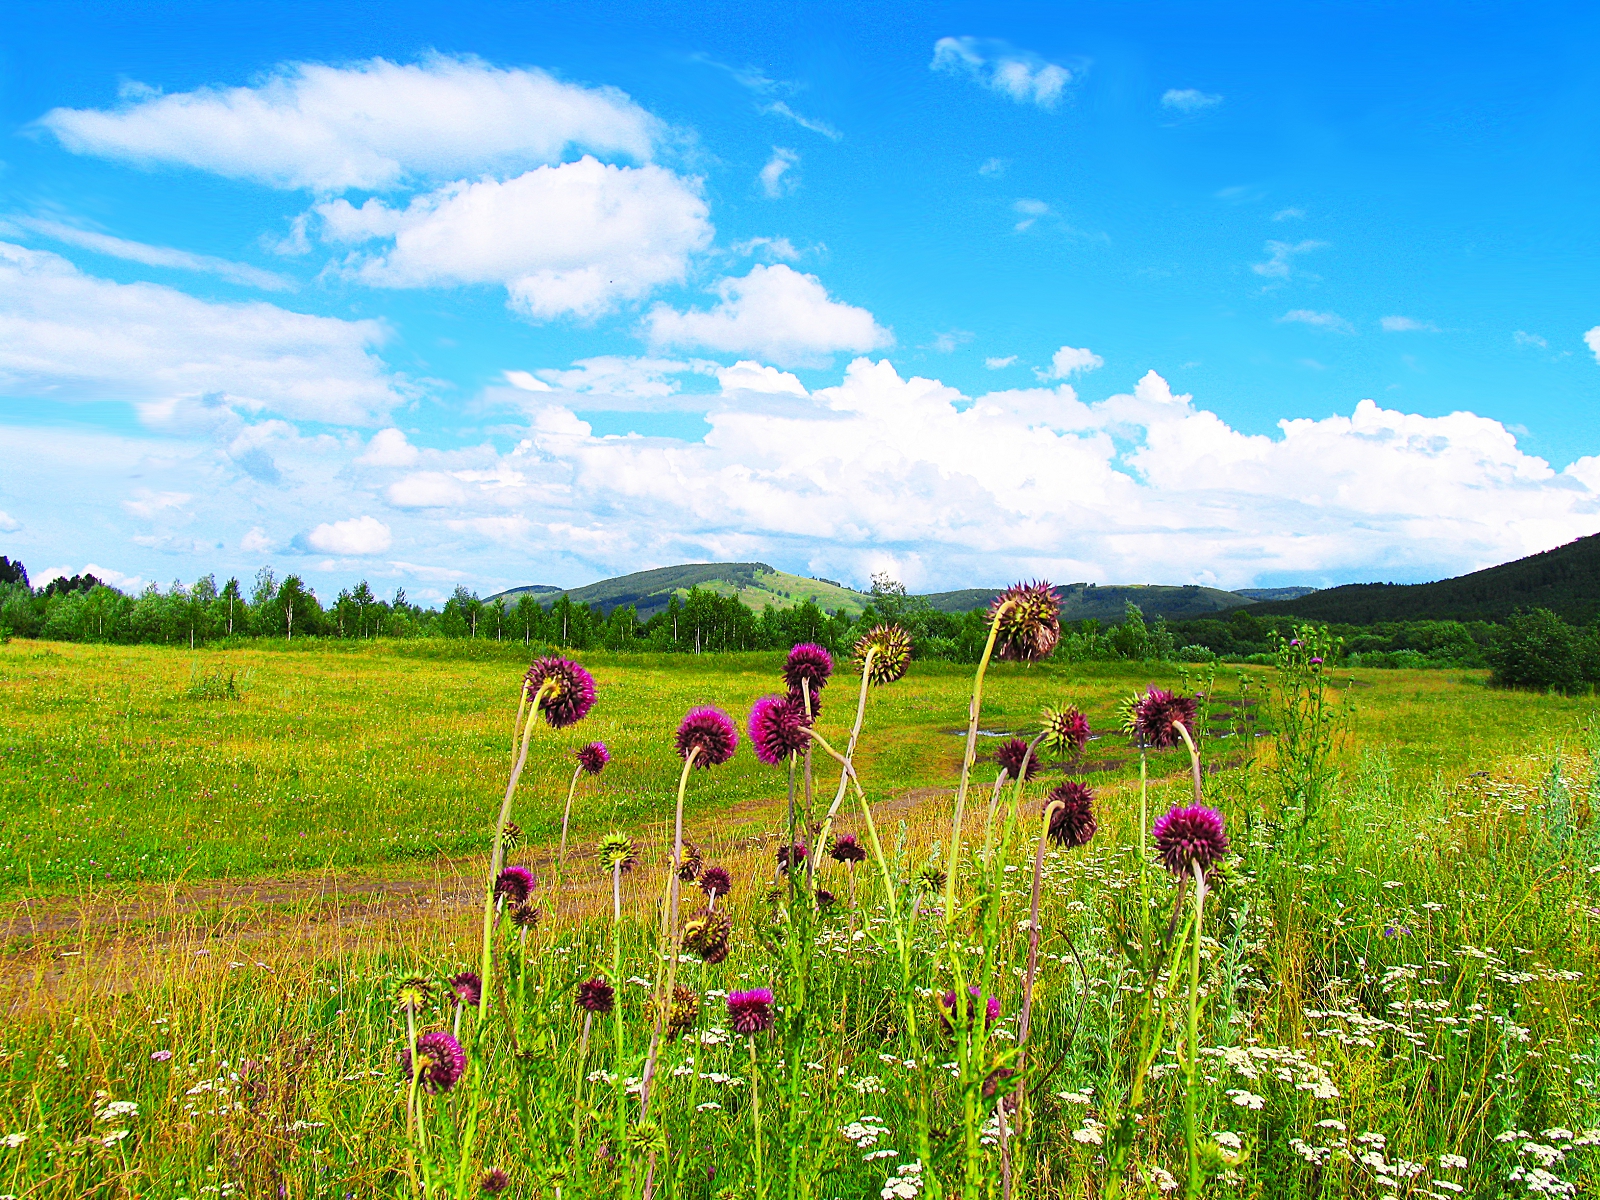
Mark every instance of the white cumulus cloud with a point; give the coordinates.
(353, 538)
(1001, 67)
(576, 238)
(1069, 361)
(71, 336)
(1188, 100)
(775, 313)
(371, 125)
(389, 448)
(8, 523)
(1592, 340)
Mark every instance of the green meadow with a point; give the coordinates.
(213, 898)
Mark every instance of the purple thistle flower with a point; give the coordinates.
(514, 884)
(468, 988)
(1030, 626)
(1010, 756)
(751, 1012)
(494, 1181)
(1153, 718)
(808, 662)
(571, 692)
(596, 996)
(1189, 837)
(715, 881)
(440, 1062)
(846, 849)
(949, 1014)
(711, 731)
(778, 728)
(793, 856)
(1072, 824)
(1066, 731)
(593, 757)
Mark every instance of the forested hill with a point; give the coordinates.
(1109, 603)
(1565, 580)
(755, 584)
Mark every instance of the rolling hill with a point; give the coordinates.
(756, 584)
(1565, 580)
(1108, 603)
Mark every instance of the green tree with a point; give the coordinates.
(1537, 649)
(296, 601)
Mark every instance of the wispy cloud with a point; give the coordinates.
(1332, 322)
(779, 109)
(1281, 256)
(997, 363)
(778, 177)
(1289, 214)
(993, 166)
(155, 256)
(946, 343)
(1001, 67)
(1030, 211)
(1188, 100)
(1524, 338)
(1407, 325)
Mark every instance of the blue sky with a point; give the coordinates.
(510, 294)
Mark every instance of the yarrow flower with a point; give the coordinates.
(617, 852)
(778, 728)
(751, 1012)
(715, 881)
(514, 884)
(494, 1181)
(1072, 824)
(1190, 836)
(1029, 623)
(808, 663)
(1152, 718)
(977, 1005)
(709, 934)
(593, 757)
(711, 732)
(846, 849)
(596, 996)
(890, 648)
(1066, 731)
(689, 863)
(569, 690)
(468, 988)
(1011, 756)
(440, 1062)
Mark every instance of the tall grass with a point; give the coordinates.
(1396, 997)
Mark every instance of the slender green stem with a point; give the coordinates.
(967, 759)
(669, 942)
(755, 1116)
(566, 815)
(1191, 1136)
(849, 755)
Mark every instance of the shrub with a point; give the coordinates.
(1537, 649)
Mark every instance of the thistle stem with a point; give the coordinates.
(566, 815)
(755, 1117)
(974, 708)
(849, 756)
(1191, 1135)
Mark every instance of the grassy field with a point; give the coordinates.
(1390, 990)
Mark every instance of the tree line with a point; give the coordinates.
(1536, 649)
